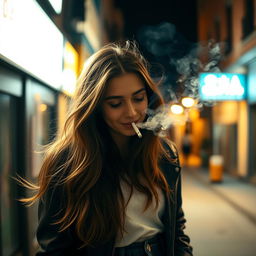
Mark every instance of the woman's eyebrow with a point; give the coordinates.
(140, 90)
(119, 97)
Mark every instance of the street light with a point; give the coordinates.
(177, 109)
(188, 102)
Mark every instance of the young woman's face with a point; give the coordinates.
(125, 102)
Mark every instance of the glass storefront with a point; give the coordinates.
(9, 226)
(252, 145)
(252, 120)
(40, 129)
(27, 123)
(11, 222)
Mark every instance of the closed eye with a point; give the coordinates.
(139, 99)
(114, 105)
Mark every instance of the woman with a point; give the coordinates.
(103, 190)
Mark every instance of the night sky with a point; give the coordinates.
(152, 12)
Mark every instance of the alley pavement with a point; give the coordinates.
(221, 217)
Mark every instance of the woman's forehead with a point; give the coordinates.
(124, 84)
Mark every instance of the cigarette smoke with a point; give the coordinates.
(160, 120)
(181, 62)
(189, 67)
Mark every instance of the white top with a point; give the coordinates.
(140, 226)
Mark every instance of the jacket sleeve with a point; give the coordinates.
(182, 241)
(51, 241)
(182, 245)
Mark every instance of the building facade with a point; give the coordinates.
(232, 23)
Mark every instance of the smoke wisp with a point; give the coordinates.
(160, 120)
(182, 62)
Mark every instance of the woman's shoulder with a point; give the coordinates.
(171, 151)
(170, 165)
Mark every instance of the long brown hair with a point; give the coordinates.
(85, 161)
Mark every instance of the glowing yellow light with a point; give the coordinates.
(69, 82)
(42, 107)
(69, 74)
(194, 114)
(177, 109)
(188, 102)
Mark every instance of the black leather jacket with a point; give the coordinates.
(57, 243)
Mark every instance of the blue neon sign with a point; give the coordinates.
(222, 86)
(252, 90)
(252, 83)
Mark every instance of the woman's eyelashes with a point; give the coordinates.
(114, 105)
(118, 104)
(139, 99)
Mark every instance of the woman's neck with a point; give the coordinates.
(122, 143)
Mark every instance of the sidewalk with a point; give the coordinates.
(239, 194)
(221, 218)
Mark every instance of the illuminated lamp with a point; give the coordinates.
(188, 102)
(42, 107)
(177, 109)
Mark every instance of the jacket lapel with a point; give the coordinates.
(171, 173)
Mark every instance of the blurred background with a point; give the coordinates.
(203, 51)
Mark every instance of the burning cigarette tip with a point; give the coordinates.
(136, 129)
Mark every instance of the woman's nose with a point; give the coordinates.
(130, 110)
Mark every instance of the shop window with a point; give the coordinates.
(41, 129)
(248, 19)
(10, 241)
(252, 144)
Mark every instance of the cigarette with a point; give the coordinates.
(136, 129)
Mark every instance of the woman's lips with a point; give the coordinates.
(129, 125)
